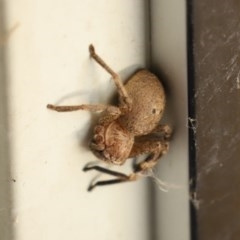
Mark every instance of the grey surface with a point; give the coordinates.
(216, 37)
(169, 61)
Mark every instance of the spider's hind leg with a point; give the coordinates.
(154, 147)
(121, 177)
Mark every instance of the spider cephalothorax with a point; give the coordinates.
(112, 143)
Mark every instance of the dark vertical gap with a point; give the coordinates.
(192, 116)
(6, 229)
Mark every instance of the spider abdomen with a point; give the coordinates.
(148, 102)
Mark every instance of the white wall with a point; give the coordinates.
(48, 62)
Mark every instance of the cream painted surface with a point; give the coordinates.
(48, 62)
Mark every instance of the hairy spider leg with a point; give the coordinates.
(116, 78)
(98, 107)
(156, 149)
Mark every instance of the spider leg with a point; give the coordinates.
(116, 78)
(156, 149)
(164, 130)
(121, 177)
(104, 183)
(89, 107)
(105, 170)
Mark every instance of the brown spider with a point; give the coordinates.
(130, 129)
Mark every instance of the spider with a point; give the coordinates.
(130, 129)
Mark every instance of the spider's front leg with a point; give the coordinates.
(127, 102)
(154, 147)
(112, 112)
(125, 99)
(70, 108)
